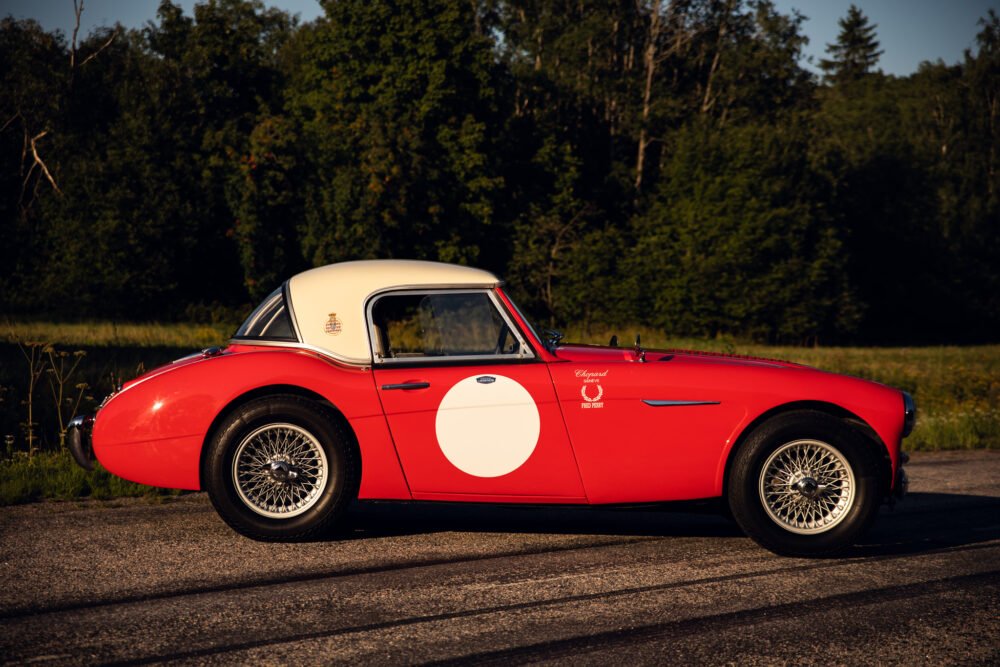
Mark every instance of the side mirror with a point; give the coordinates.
(640, 354)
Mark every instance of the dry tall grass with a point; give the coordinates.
(957, 389)
(115, 334)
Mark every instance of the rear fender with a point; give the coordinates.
(154, 431)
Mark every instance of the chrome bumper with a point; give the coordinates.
(902, 482)
(78, 441)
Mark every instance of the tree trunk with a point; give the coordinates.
(649, 61)
(708, 101)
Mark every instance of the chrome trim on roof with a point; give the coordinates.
(291, 311)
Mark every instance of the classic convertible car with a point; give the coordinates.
(410, 380)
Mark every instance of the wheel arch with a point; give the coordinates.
(275, 390)
(846, 416)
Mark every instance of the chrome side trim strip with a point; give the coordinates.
(669, 404)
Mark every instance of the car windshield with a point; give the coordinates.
(269, 321)
(524, 318)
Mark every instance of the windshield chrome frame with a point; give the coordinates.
(525, 351)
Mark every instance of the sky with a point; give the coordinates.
(910, 31)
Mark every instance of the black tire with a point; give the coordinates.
(784, 511)
(322, 445)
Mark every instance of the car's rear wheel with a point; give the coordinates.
(280, 468)
(805, 484)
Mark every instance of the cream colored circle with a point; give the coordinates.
(487, 429)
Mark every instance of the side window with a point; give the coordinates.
(269, 320)
(446, 324)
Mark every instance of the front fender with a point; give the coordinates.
(877, 406)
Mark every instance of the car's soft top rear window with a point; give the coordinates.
(269, 321)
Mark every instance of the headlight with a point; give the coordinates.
(909, 414)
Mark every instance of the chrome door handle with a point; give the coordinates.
(406, 385)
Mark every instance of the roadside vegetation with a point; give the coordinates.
(55, 476)
(113, 334)
(49, 372)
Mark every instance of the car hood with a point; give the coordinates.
(597, 353)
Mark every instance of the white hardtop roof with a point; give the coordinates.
(328, 302)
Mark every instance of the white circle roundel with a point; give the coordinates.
(487, 428)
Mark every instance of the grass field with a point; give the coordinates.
(957, 389)
(112, 334)
(55, 476)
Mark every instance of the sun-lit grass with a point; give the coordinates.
(115, 334)
(54, 475)
(957, 389)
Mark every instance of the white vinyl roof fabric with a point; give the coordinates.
(328, 302)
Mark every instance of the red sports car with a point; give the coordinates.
(409, 380)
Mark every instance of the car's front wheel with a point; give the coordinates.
(804, 484)
(280, 468)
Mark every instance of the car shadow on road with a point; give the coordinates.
(922, 522)
(383, 519)
(931, 521)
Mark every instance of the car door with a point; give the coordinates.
(472, 410)
(645, 432)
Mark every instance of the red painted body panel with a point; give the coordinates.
(485, 498)
(631, 452)
(598, 441)
(550, 471)
(178, 403)
(171, 462)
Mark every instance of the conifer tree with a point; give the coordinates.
(856, 51)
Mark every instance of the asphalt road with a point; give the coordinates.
(134, 582)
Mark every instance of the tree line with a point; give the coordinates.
(663, 163)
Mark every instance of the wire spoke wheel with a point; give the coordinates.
(280, 470)
(807, 486)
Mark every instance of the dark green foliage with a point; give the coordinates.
(267, 206)
(32, 81)
(397, 106)
(734, 241)
(660, 163)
